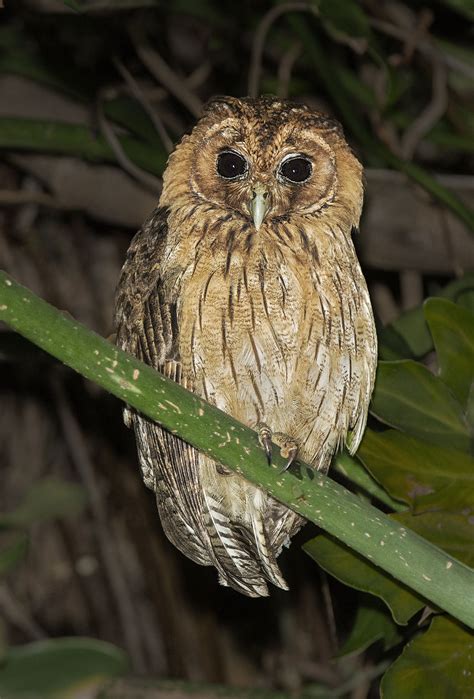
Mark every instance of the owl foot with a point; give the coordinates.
(288, 446)
(265, 439)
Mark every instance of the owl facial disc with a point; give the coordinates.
(259, 204)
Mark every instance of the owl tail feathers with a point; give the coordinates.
(240, 550)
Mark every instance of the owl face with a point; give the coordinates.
(263, 159)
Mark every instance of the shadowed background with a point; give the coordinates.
(93, 95)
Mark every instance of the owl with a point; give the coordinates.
(244, 287)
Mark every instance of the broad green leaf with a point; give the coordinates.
(453, 497)
(73, 5)
(409, 336)
(353, 570)
(345, 17)
(19, 57)
(71, 139)
(46, 499)
(13, 548)
(361, 91)
(408, 396)
(58, 667)
(437, 664)
(352, 469)
(452, 329)
(470, 408)
(372, 623)
(451, 531)
(446, 137)
(409, 468)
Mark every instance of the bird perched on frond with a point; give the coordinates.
(244, 287)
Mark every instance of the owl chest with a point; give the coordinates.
(251, 328)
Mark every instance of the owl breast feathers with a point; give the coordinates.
(244, 287)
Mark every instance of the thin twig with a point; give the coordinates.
(164, 75)
(199, 75)
(260, 36)
(329, 608)
(80, 457)
(416, 34)
(149, 181)
(13, 197)
(142, 99)
(285, 68)
(17, 615)
(385, 306)
(431, 114)
(425, 46)
(411, 288)
(458, 264)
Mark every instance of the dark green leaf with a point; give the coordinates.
(408, 396)
(46, 499)
(12, 549)
(456, 496)
(73, 5)
(19, 57)
(57, 668)
(372, 623)
(71, 139)
(452, 329)
(360, 477)
(451, 531)
(409, 336)
(437, 664)
(409, 468)
(353, 570)
(345, 17)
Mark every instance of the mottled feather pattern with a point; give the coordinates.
(272, 323)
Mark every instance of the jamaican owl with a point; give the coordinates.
(244, 286)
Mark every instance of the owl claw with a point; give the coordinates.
(291, 458)
(265, 439)
(288, 446)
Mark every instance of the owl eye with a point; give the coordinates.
(231, 165)
(296, 169)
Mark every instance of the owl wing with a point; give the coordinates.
(193, 520)
(145, 319)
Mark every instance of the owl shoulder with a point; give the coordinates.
(141, 271)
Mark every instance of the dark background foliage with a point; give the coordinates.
(92, 95)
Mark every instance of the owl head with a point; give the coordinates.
(265, 159)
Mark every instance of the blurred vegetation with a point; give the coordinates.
(115, 83)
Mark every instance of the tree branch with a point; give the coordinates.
(442, 580)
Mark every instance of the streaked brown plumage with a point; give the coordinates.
(247, 290)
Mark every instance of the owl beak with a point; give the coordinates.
(259, 204)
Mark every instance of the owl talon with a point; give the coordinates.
(291, 457)
(265, 439)
(288, 448)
